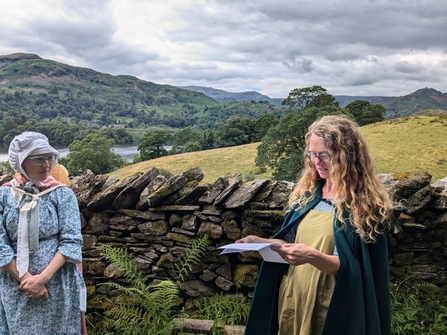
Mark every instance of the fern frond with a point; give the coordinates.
(191, 257)
(124, 261)
(165, 295)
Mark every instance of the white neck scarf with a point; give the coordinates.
(28, 200)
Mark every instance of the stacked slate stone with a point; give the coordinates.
(157, 219)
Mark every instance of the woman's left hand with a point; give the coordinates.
(34, 287)
(294, 253)
(300, 253)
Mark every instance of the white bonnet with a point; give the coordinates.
(27, 144)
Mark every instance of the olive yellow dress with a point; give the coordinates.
(305, 291)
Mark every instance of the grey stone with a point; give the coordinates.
(154, 228)
(214, 231)
(106, 196)
(235, 183)
(150, 188)
(130, 195)
(214, 191)
(198, 288)
(244, 194)
(86, 186)
(98, 224)
(223, 283)
(172, 185)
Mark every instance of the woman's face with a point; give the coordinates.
(316, 147)
(38, 167)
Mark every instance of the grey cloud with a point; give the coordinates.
(301, 65)
(407, 67)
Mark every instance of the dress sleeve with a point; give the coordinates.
(6, 251)
(70, 236)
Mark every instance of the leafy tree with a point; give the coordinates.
(282, 148)
(236, 131)
(263, 124)
(192, 146)
(93, 152)
(374, 113)
(183, 136)
(152, 144)
(315, 96)
(6, 169)
(207, 139)
(365, 113)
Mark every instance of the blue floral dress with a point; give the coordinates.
(59, 230)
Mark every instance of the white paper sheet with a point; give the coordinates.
(263, 248)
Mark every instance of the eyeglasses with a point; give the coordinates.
(313, 156)
(41, 160)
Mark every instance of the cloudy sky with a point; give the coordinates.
(350, 47)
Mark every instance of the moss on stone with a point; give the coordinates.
(175, 220)
(166, 261)
(179, 238)
(401, 175)
(245, 275)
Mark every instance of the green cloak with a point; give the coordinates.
(360, 304)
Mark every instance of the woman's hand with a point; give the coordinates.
(34, 287)
(248, 239)
(257, 239)
(299, 253)
(294, 253)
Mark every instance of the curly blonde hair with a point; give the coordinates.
(355, 184)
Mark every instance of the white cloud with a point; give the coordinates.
(352, 47)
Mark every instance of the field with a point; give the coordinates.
(416, 143)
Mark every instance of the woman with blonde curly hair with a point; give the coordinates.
(335, 278)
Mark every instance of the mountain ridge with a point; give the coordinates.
(400, 106)
(123, 98)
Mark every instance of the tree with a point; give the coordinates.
(282, 148)
(152, 144)
(263, 124)
(315, 96)
(365, 113)
(207, 139)
(236, 131)
(93, 152)
(183, 136)
(374, 113)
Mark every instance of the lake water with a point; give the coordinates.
(126, 151)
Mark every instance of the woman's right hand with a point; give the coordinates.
(248, 239)
(34, 287)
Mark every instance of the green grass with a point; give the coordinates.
(400, 145)
(409, 144)
(214, 163)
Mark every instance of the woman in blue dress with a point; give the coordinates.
(41, 288)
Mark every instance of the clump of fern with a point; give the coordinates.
(143, 308)
(224, 309)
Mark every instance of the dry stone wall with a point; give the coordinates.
(157, 218)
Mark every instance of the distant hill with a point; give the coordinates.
(420, 100)
(221, 95)
(43, 89)
(423, 99)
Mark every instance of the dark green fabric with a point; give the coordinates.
(360, 303)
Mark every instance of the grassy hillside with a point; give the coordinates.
(43, 89)
(416, 143)
(214, 163)
(399, 145)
